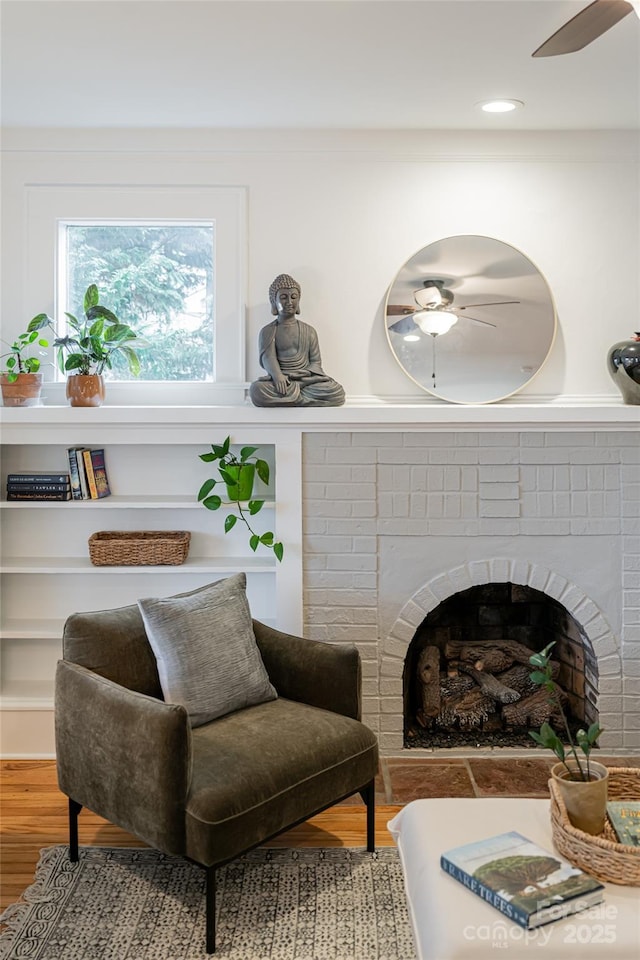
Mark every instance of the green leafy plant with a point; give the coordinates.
(546, 736)
(89, 345)
(226, 458)
(17, 361)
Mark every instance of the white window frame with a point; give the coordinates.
(49, 206)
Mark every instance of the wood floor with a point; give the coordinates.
(33, 814)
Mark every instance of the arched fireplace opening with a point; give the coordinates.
(466, 672)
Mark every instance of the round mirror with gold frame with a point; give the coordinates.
(470, 319)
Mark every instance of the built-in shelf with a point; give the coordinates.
(121, 503)
(28, 695)
(28, 629)
(155, 473)
(82, 565)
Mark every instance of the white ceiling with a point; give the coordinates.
(310, 64)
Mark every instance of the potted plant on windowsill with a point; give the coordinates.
(237, 473)
(88, 346)
(21, 380)
(581, 781)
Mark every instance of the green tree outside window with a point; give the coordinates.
(157, 278)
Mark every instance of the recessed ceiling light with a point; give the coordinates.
(500, 106)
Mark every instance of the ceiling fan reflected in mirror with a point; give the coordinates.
(450, 281)
(436, 314)
(586, 26)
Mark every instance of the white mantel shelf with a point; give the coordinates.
(354, 415)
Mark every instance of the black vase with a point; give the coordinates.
(623, 363)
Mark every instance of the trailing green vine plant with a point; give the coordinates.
(546, 736)
(230, 466)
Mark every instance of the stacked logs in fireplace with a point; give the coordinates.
(468, 688)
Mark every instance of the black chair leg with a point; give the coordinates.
(74, 810)
(368, 794)
(211, 908)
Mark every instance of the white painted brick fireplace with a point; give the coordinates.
(397, 521)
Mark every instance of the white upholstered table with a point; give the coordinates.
(451, 923)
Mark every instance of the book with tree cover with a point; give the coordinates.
(625, 820)
(527, 884)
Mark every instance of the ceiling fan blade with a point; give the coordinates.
(398, 310)
(485, 322)
(584, 28)
(404, 325)
(493, 303)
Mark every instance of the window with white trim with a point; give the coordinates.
(61, 262)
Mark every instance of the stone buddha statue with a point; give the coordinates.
(290, 354)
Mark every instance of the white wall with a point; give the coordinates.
(343, 211)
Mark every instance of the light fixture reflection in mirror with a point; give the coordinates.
(435, 323)
(485, 308)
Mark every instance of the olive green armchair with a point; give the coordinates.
(209, 792)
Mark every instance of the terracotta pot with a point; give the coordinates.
(585, 800)
(244, 475)
(85, 390)
(23, 392)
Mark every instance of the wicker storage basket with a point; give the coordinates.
(136, 548)
(601, 856)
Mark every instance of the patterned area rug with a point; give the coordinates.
(274, 904)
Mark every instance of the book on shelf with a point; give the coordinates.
(34, 495)
(88, 469)
(95, 472)
(84, 483)
(625, 820)
(87, 478)
(100, 473)
(37, 487)
(526, 883)
(37, 478)
(74, 472)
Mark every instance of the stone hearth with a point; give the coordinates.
(398, 523)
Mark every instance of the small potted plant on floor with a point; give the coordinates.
(237, 473)
(582, 781)
(88, 347)
(21, 380)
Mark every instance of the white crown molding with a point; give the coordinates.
(618, 146)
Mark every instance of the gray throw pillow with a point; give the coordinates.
(207, 655)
